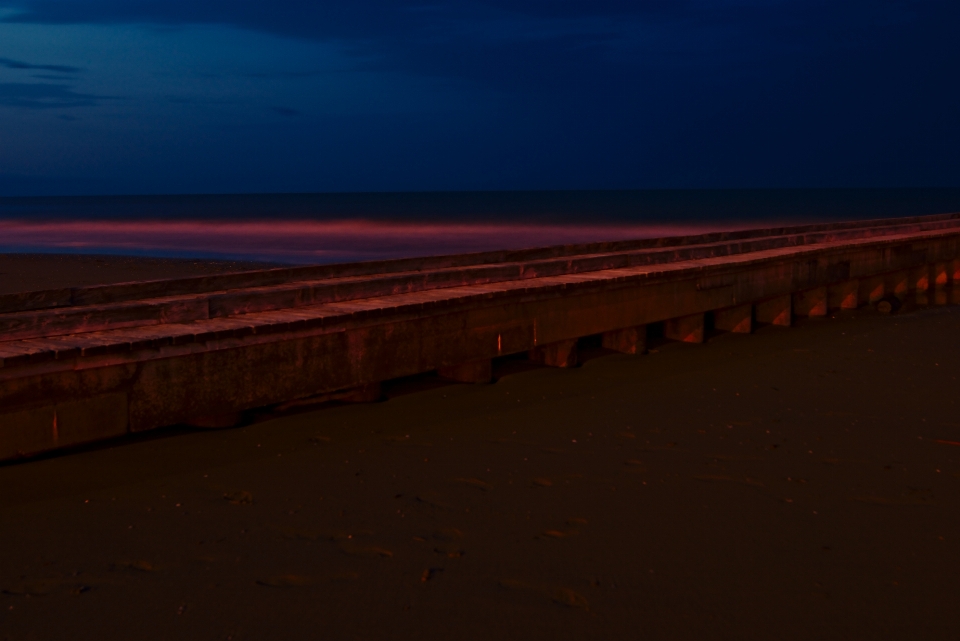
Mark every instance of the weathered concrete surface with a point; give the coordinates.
(689, 329)
(811, 302)
(473, 372)
(776, 311)
(91, 363)
(630, 340)
(737, 319)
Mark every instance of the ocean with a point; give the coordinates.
(343, 227)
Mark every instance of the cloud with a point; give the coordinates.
(577, 48)
(523, 45)
(17, 64)
(620, 92)
(41, 96)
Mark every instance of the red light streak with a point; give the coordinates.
(294, 241)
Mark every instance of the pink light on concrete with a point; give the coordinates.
(899, 284)
(872, 289)
(921, 278)
(777, 311)
(812, 302)
(843, 295)
(632, 340)
(559, 354)
(734, 319)
(941, 275)
(688, 329)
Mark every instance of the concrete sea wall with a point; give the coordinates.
(85, 364)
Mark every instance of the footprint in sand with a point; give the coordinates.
(350, 543)
(300, 534)
(364, 551)
(239, 498)
(134, 566)
(302, 581)
(712, 478)
(473, 482)
(430, 573)
(512, 441)
(557, 594)
(570, 598)
(558, 534)
(405, 440)
(325, 535)
(45, 587)
(894, 500)
(433, 500)
(448, 534)
(447, 542)
(287, 581)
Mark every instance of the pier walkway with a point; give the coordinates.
(84, 364)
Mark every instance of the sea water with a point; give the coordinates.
(340, 227)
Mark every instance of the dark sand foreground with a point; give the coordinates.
(799, 483)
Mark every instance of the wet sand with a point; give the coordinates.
(30, 272)
(798, 483)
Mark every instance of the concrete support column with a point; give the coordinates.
(843, 295)
(920, 282)
(734, 319)
(940, 278)
(776, 311)
(872, 289)
(560, 354)
(632, 340)
(688, 329)
(812, 302)
(473, 372)
(920, 279)
(954, 267)
(898, 284)
(941, 275)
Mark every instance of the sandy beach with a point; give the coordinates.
(799, 483)
(32, 272)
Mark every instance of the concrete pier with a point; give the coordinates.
(83, 364)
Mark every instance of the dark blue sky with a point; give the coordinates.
(171, 96)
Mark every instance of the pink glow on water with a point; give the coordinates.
(296, 241)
